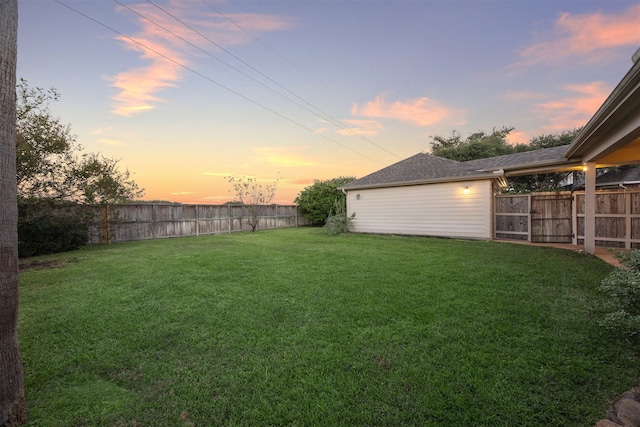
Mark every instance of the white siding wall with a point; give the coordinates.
(431, 210)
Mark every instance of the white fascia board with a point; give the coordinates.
(422, 182)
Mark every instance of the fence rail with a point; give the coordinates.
(122, 223)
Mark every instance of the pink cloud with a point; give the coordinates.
(576, 108)
(517, 137)
(590, 36)
(420, 111)
(169, 46)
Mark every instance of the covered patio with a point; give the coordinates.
(610, 138)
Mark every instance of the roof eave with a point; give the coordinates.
(542, 167)
(422, 182)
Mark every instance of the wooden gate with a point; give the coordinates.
(539, 217)
(551, 219)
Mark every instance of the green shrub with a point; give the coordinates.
(623, 289)
(339, 222)
(49, 226)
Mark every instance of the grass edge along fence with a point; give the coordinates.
(132, 222)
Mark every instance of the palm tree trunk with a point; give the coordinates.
(12, 404)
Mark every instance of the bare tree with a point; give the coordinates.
(12, 404)
(254, 196)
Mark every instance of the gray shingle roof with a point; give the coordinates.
(425, 168)
(526, 158)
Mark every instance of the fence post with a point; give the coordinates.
(105, 232)
(627, 222)
(153, 221)
(530, 222)
(197, 220)
(574, 219)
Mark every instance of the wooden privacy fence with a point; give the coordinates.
(559, 218)
(122, 223)
(617, 219)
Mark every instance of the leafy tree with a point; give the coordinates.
(44, 146)
(254, 195)
(318, 201)
(12, 402)
(49, 163)
(478, 145)
(56, 182)
(98, 180)
(553, 139)
(545, 181)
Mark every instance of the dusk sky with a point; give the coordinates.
(187, 92)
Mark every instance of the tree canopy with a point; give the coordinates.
(50, 164)
(478, 145)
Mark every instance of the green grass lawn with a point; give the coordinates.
(295, 327)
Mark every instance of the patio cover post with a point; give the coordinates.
(590, 208)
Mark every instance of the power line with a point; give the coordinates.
(217, 59)
(318, 112)
(214, 82)
(288, 61)
(293, 64)
(284, 58)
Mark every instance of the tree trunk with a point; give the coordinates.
(12, 404)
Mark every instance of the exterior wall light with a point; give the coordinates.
(466, 189)
(358, 196)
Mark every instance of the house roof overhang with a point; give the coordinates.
(476, 177)
(612, 136)
(542, 167)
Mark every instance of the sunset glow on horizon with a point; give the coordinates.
(187, 93)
